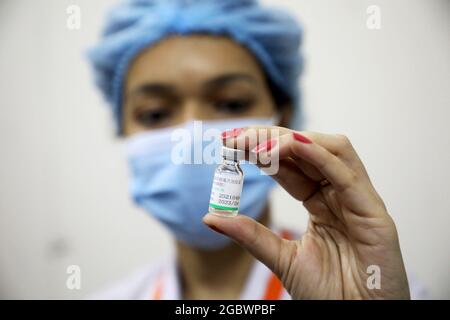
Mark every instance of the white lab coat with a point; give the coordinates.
(161, 281)
(145, 284)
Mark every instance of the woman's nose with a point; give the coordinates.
(195, 110)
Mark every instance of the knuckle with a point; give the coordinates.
(342, 140)
(353, 178)
(349, 182)
(254, 239)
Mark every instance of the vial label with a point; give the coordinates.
(226, 192)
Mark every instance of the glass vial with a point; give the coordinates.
(227, 184)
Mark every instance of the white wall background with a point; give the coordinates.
(63, 187)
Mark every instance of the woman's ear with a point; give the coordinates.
(285, 113)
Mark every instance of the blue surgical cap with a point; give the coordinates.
(272, 36)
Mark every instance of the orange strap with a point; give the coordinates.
(274, 288)
(157, 293)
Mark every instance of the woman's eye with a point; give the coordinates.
(233, 105)
(150, 118)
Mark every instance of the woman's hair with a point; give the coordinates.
(272, 36)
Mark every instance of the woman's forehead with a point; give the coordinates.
(191, 59)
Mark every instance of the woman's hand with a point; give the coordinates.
(350, 233)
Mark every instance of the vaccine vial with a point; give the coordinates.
(227, 184)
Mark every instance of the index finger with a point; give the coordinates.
(249, 137)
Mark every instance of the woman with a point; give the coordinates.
(234, 65)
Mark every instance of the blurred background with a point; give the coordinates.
(63, 177)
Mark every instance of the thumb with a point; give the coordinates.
(261, 242)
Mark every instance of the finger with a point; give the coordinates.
(249, 137)
(261, 133)
(276, 154)
(340, 146)
(352, 185)
(308, 169)
(291, 178)
(322, 211)
(328, 164)
(261, 242)
(339, 174)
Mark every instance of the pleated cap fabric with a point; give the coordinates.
(271, 35)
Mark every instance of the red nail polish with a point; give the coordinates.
(233, 133)
(301, 138)
(265, 146)
(216, 229)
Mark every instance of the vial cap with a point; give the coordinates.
(232, 154)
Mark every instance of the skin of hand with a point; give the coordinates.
(349, 227)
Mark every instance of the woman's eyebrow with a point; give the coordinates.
(163, 89)
(228, 78)
(160, 89)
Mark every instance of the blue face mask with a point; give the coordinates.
(171, 177)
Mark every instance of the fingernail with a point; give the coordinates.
(233, 133)
(301, 138)
(265, 146)
(216, 229)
